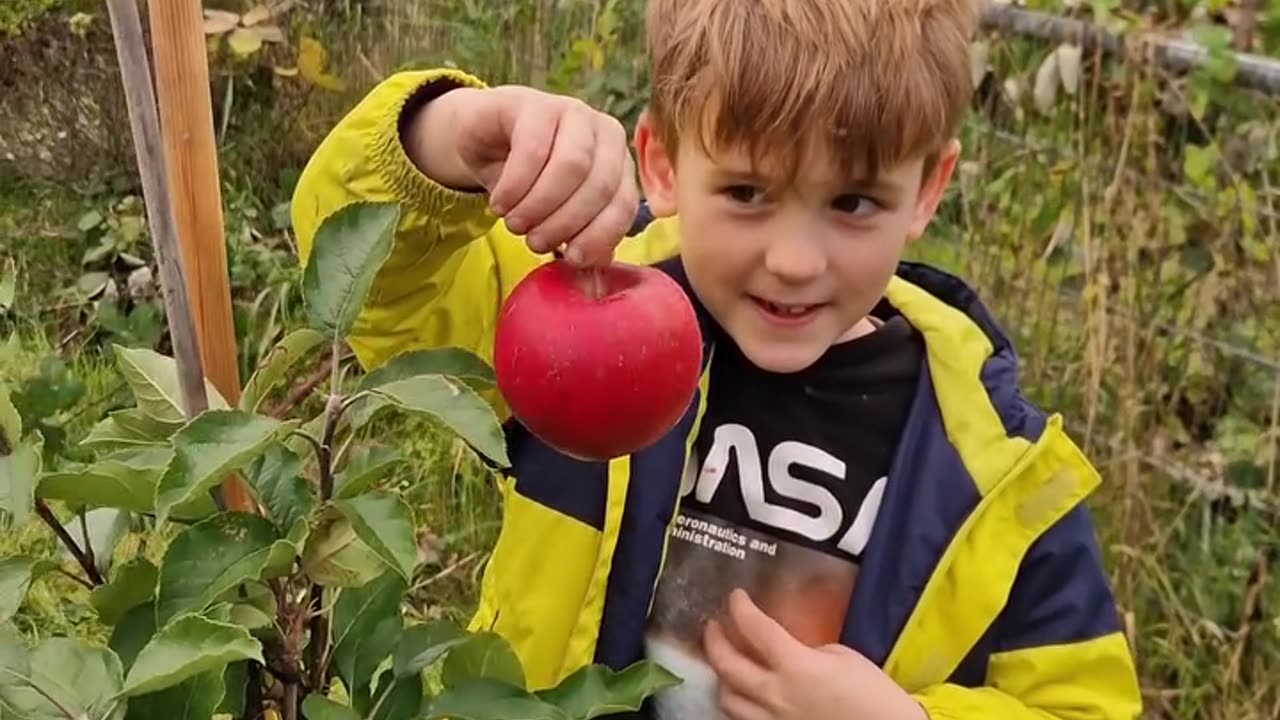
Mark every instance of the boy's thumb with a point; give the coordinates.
(768, 639)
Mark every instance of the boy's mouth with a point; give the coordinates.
(785, 311)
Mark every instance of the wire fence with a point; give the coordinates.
(1127, 235)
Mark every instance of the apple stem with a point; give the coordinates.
(593, 284)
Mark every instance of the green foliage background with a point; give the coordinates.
(1123, 223)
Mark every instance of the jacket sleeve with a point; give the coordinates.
(445, 276)
(1059, 652)
(453, 262)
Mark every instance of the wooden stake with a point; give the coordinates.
(190, 157)
(126, 27)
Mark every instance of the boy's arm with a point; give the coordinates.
(1060, 652)
(441, 285)
(453, 261)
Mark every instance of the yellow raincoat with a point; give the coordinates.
(982, 590)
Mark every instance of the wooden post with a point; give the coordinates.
(186, 122)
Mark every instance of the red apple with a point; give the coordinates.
(597, 363)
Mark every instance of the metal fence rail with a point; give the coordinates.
(1255, 72)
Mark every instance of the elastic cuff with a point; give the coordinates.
(445, 204)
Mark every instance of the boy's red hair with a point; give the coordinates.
(876, 81)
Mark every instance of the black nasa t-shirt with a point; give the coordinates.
(779, 498)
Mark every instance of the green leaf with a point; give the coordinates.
(482, 655)
(235, 680)
(318, 707)
(252, 606)
(88, 488)
(105, 527)
(88, 221)
(187, 647)
(109, 434)
(596, 690)
(334, 556)
(385, 523)
(367, 465)
(349, 248)
(196, 698)
(397, 698)
(293, 347)
(136, 628)
(205, 451)
(366, 626)
(8, 284)
(1199, 163)
(133, 585)
(277, 481)
(154, 380)
(422, 645)
(78, 678)
(125, 479)
(141, 425)
(455, 362)
(18, 473)
(209, 558)
(489, 699)
(16, 576)
(10, 420)
(454, 404)
(18, 700)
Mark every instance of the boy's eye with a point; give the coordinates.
(746, 194)
(852, 204)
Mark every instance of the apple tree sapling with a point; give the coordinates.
(295, 609)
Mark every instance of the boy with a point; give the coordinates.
(860, 517)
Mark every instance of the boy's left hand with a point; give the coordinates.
(767, 674)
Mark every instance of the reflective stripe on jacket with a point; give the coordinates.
(982, 590)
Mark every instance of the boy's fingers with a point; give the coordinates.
(736, 706)
(568, 167)
(530, 146)
(595, 244)
(599, 213)
(734, 669)
(770, 641)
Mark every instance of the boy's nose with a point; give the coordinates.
(795, 259)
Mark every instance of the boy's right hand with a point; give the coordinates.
(557, 171)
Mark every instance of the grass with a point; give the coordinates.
(1129, 249)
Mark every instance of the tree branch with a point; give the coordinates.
(303, 390)
(88, 545)
(318, 646)
(86, 562)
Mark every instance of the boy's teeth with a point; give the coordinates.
(788, 309)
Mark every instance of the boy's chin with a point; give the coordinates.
(779, 357)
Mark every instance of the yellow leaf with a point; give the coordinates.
(311, 57)
(286, 72)
(256, 15)
(244, 42)
(311, 64)
(217, 22)
(80, 22)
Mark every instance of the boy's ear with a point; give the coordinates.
(932, 188)
(657, 168)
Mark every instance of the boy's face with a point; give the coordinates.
(788, 271)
